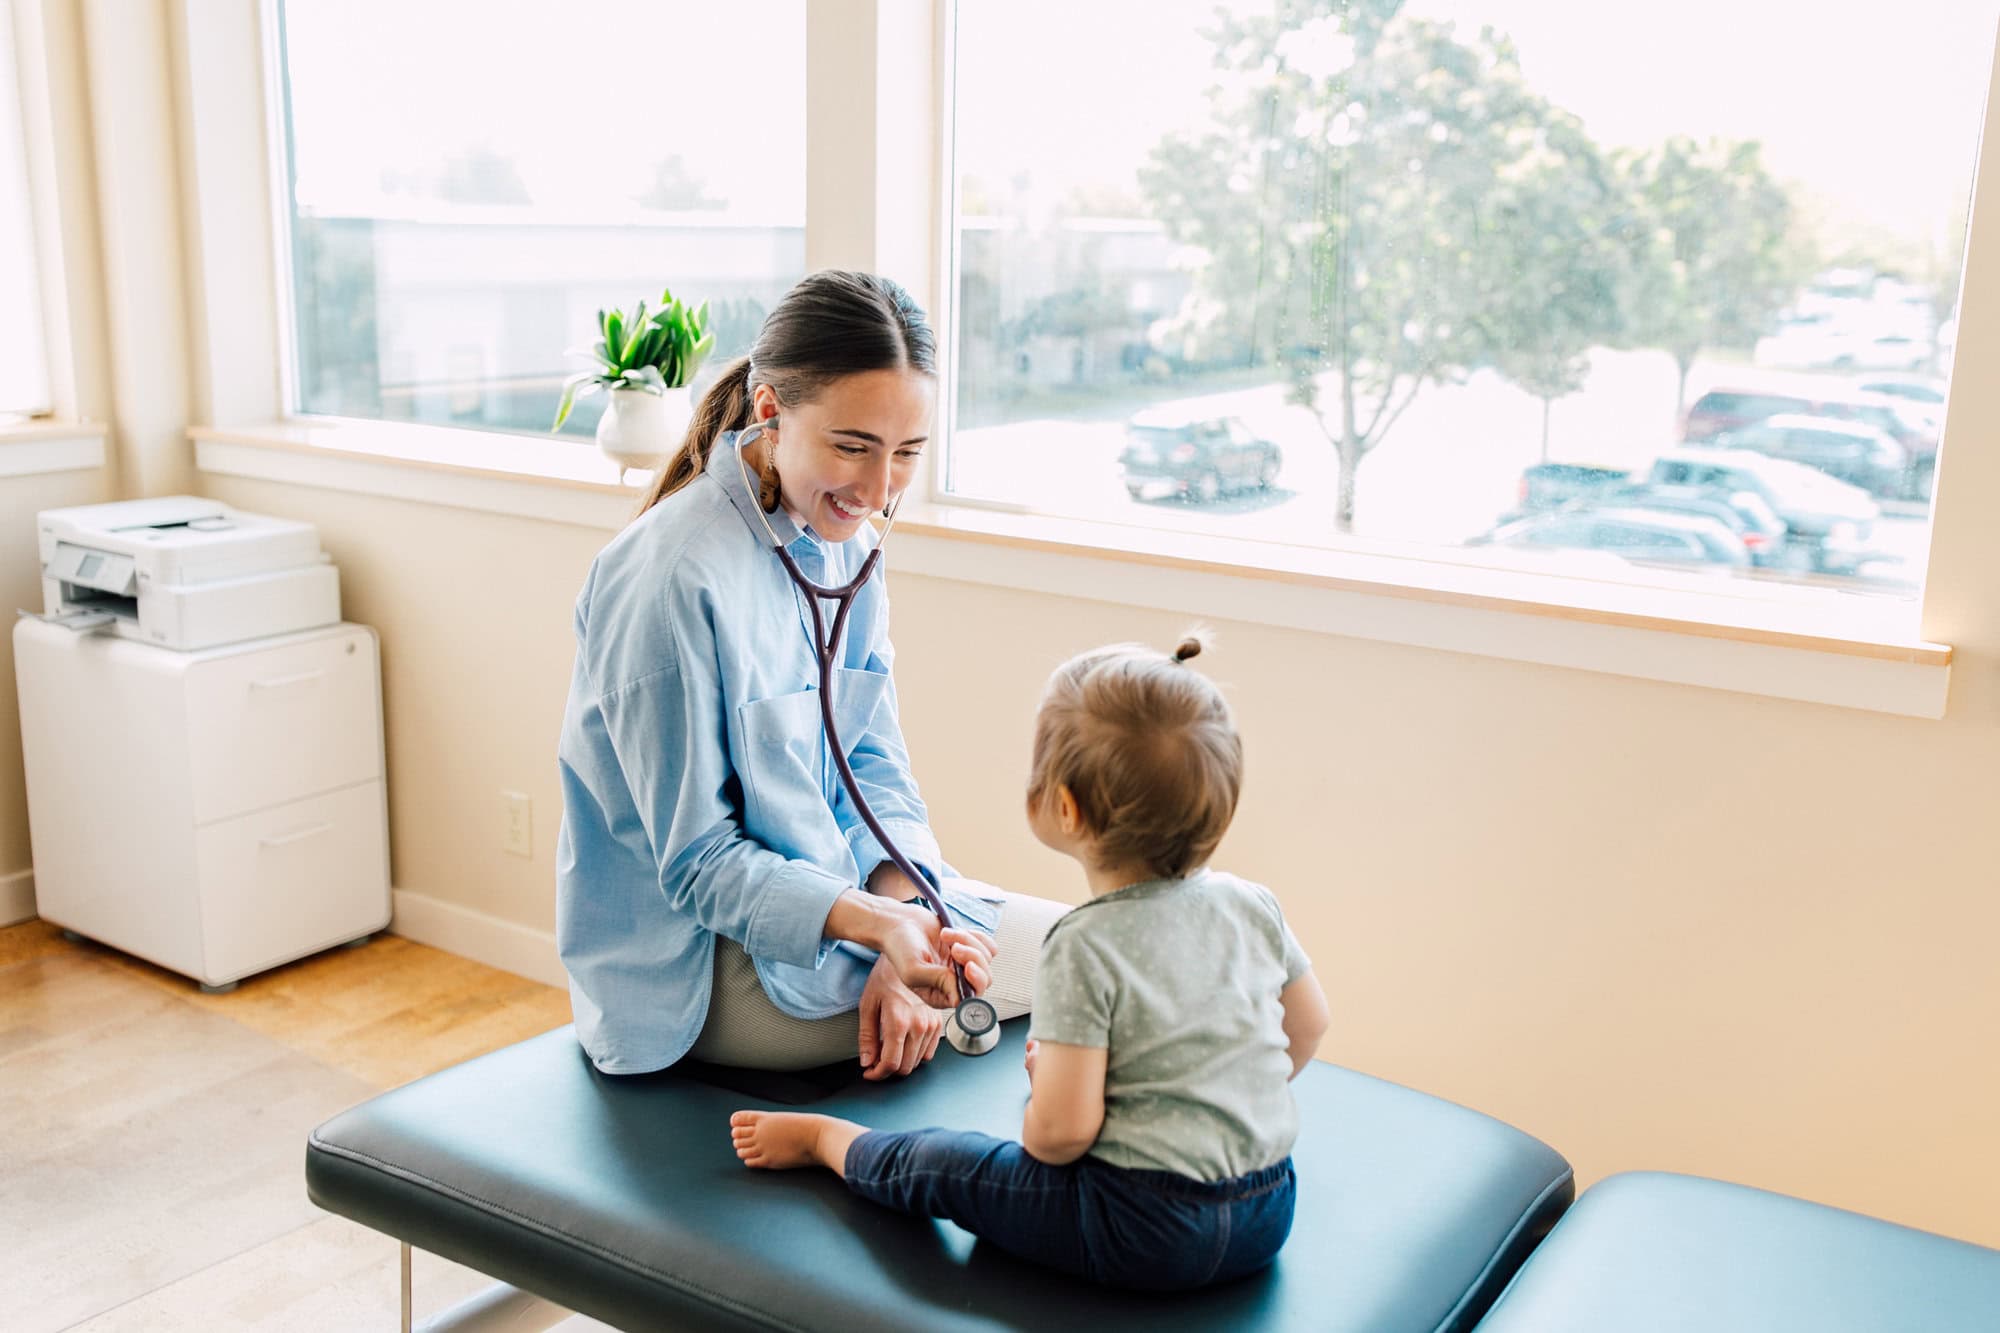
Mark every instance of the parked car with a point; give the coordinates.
(1645, 535)
(1829, 521)
(1913, 425)
(1548, 486)
(1820, 342)
(1854, 453)
(1919, 389)
(1198, 459)
(1722, 410)
(1919, 398)
(1744, 513)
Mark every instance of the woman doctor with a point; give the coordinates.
(717, 893)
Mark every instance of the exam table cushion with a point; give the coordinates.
(622, 1199)
(1649, 1252)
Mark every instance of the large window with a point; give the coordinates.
(24, 378)
(471, 182)
(1603, 289)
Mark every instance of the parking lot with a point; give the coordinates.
(1450, 468)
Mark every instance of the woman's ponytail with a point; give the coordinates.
(726, 406)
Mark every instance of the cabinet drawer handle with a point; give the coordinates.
(299, 835)
(277, 682)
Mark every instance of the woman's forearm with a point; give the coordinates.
(861, 917)
(890, 882)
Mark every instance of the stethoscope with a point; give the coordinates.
(974, 1025)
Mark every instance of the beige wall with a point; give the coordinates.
(21, 498)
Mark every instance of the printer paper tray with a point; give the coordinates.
(82, 619)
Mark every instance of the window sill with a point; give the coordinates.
(1766, 639)
(489, 471)
(35, 448)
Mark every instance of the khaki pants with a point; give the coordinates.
(746, 1030)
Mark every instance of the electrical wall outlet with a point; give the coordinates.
(518, 836)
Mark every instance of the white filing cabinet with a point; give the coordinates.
(217, 812)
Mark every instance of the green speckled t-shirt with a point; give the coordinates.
(1178, 980)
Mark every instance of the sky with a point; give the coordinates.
(582, 96)
(1876, 115)
(1880, 116)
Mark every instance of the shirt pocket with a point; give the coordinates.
(857, 697)
(786, 777)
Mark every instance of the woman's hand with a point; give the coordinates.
(899, 1031)
(921, 953)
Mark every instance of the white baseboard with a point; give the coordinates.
(473, 934)
(17, 896)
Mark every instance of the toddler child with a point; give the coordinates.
(1171, 1012)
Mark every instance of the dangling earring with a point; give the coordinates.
(768, 491)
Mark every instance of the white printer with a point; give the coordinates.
(183, 572)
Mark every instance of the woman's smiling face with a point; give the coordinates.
(853, 449)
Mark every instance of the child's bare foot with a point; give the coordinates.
(780, 1140)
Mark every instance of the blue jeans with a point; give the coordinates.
(1150, 1230)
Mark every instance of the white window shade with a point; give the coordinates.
(24, 372)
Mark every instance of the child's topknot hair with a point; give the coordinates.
(1149, 750)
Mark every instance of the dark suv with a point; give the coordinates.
(1721, 412)
(1197, 460)
(1858, 454)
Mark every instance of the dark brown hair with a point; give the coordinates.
(1149, 750)
(831, 325)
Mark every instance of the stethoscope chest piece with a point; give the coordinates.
(974, 1027)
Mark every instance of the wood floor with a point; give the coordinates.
(152, 1137)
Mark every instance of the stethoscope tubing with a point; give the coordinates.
(844, 595)
(826, 648)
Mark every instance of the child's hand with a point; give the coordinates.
(1029, 1062)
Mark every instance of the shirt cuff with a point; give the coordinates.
(969, 908)
(788, 924)
(915, 839)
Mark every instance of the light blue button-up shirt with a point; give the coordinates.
(699, 795)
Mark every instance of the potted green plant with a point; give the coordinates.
(644, 363)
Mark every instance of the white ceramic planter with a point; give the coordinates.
(640, 429)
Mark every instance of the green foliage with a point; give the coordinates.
(1344, 195)
(1382, 203)
(653, 353)
(1556, 256)
(1714, 256)
(1074, 311)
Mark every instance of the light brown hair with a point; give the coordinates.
(1149, 750)
(831, 325)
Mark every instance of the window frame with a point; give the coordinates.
(277, 137)
(881, 187)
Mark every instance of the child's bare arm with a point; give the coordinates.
(1306, 1018)
(1066, 1104)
